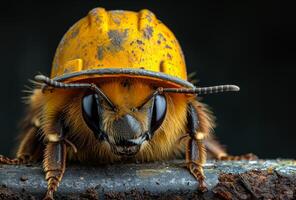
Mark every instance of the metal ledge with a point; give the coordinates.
(154, 180)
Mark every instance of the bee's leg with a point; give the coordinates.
(14, 161)
(54, 160)
(54, 165)
(248, 156)
(216, 151)
(28, 150)
(196, 151)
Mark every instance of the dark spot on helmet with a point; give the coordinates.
(168, 47)
(117, 39)
(74, 33)
(100, 53)
(140, 42)
(148, 32)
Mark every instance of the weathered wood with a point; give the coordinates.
(225, 179)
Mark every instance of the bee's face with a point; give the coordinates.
(131, 123)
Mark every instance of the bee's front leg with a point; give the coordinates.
(196, 151)
(54, 165)
(55, 155)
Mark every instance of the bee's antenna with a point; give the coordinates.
(202, 90)
(56, 84)
(197, 90)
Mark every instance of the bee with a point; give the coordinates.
(118, 91)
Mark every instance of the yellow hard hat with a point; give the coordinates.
(119, 43)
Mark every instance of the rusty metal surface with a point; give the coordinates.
(155, 178)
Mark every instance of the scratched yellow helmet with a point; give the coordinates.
(119, 43)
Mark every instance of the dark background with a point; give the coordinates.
(247, 43)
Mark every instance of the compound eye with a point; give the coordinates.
(92, 111)
(158, 112)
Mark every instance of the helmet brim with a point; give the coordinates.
(159, 78)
